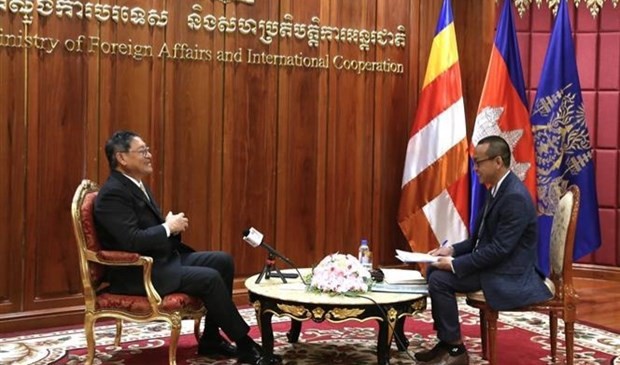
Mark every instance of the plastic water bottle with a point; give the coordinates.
(365, 255)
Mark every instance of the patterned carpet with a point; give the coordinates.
(522, 339)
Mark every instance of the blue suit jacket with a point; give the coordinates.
(506, 254)
(127, 221)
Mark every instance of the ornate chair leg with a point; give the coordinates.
(569, 333)
(197, 329)
(175, 331)
(553, 334)
(484, 332)
(89, 329)
(119, 332)
(491, 317)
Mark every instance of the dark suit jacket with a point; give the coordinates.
(127, 221)
(506, 254)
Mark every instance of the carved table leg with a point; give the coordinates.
(293, 333)
(266, 332)
(383, 347)
(399, 335)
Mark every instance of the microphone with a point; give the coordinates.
(254, 238)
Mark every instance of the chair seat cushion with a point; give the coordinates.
(478, 296)
(135, 304)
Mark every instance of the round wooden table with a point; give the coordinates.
(272, 296)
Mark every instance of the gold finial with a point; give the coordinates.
(593, 5)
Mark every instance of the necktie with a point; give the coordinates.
(144, 191)
(487, 202)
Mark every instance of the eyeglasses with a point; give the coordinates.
(143, 151)
(478, 162)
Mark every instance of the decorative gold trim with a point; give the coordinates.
(257, 310)
(391, 314)
(391, 319)
(318, 313)
(594, 5)
(344, 313)
(294, 310)
(418, 306)
(256, 305)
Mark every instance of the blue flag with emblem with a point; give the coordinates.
(563, 150)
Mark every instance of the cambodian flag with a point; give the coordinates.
(563, 149)
(503, 110)
(434, 199)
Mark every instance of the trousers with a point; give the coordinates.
(442, 288)
(209, 276)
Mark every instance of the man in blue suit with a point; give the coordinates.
(127, 218)
(499, 258)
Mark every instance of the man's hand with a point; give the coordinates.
(445, 257)
(442, 251)
(176, 222)
(444, 263)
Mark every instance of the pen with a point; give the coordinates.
(444, 243)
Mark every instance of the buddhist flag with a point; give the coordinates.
(434, 199)
(563, 149)
(503, 110)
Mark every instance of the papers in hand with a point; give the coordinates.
(399, 276)
(406, 256)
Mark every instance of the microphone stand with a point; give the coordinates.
(270, 264)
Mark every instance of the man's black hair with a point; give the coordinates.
(497, 147)
(119, 142)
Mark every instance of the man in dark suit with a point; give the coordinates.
(128, 219)
(499, 258)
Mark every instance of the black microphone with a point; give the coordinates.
(254, 238)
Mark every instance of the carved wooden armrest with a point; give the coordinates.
(117, 257)
(124, 258)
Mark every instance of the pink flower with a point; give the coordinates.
(338, 274)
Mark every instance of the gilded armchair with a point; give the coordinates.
(100, 304)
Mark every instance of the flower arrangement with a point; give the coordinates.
(340, 274)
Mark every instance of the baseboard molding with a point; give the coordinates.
(35, 320)
(600, 272)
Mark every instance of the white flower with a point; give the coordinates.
(338, 274)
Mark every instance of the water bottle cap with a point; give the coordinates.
(364, 242)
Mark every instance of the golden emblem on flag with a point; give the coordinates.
(562, 146)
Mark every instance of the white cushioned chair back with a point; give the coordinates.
(559, 232)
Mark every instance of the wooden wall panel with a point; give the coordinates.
(474, 17)
(131, 90)
(392, 122)
(301, 191)
(349, 147)
(249, 142)
(192, 134)
(13, 167)
(56, 126)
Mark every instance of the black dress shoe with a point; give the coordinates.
(219, 347)
(255, 356)
(252, 356)
(436, 352)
